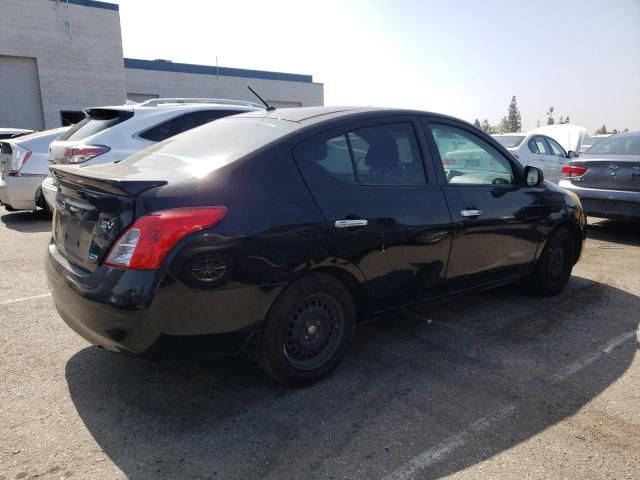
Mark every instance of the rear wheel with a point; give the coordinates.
(307, 331)
(555, 264)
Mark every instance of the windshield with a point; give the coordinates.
(617, 145)
(510, 141)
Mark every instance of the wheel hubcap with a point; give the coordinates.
(555, 263)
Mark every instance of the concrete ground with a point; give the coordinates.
(498, 385)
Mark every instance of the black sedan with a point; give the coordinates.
(607, 177)
(277, 232)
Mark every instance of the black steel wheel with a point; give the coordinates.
(554, 266)
(307, 331)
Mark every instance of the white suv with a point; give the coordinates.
(109, 134)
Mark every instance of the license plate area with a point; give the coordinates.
(73, 229)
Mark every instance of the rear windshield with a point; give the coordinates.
(97, 120)
(213, 145)
(510, 141)
(617, 145)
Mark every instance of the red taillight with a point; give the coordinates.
(82, 153)
(146, 243)
(448, 161)
(19, 157)
(573, 171)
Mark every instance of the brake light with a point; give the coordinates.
(82, 153)
(146, 243)
(18, 159)
(573, 171)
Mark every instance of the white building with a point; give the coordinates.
(58, 57)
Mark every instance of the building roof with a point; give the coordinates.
(167, 66)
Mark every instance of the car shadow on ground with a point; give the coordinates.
(615, 231)
(27, 221)
(465, 379)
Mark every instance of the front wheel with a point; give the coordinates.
(307, 331)
(555, 264)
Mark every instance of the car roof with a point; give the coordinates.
(306, 116)
(38, 134)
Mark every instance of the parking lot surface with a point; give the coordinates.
(496, 385)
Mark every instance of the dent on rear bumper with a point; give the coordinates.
(20, 192)
(129, 310)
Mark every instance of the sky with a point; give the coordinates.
(465, 58)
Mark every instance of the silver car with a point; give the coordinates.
(607, 177)
(23, 165)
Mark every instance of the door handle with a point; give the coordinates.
(471, 213)
(360, 222)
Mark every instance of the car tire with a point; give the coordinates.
(554, 266)
(307, 331)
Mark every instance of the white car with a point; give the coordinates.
(110, 134)
(13, 132)
(24, 163)
(589, 142)
(538, 148)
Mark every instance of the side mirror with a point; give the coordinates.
(571, 154)
(533, 175)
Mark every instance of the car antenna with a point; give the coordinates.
(270, 108)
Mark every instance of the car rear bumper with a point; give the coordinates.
(615, 204)
(49, 191)
(127, 310)
(19, 192)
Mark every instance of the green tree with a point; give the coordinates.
(504, 126)
(602, 130)
(476, 122)
(615, 130)
(513, 117)
(486, 126)
(550, 120)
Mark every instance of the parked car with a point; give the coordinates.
(13, 132)
(23, 165)
(277, 231)
(110, 134)
(538, 150)
(607, 177)
(590, 141)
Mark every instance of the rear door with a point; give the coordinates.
(386, 213)
(496, 217)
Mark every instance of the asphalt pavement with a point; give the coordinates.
(499, 385)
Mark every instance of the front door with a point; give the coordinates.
(496, 216)
(385, 216)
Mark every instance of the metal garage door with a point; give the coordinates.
(20, 104)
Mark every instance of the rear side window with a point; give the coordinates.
(97, 121)
(533, 148)
(183, 123)
(382, 154)
(333, 157)
(541, 146)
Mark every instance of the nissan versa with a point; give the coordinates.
(277, 231)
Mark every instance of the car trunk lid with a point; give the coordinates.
(613, 173)
(90, 212)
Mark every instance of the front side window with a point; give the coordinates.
(468, 159)
(382, 154)
(557, 150)
(510, 141)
